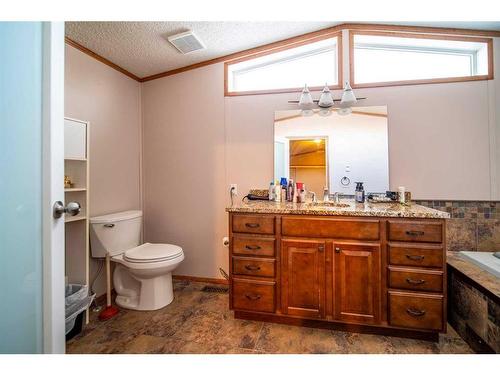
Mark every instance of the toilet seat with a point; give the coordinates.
(152, 253)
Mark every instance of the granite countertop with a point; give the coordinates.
(352, 209)
(480, 276)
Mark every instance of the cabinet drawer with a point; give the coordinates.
(415, 231)
(253, 267)
(414, 310)
(253, 295)
(416, 255)
(357, 229)
(253, 224)
(252, 246)
(424, 280)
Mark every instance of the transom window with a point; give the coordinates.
(384, 59)
(313, 64)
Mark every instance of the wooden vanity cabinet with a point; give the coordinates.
(366, 274)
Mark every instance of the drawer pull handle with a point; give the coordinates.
(415, 257)
(253, 297)
(415, 312)
(252, 268)
(252, 225)
(250, 247)
(321, 248)
(414, 233)
(415, 282)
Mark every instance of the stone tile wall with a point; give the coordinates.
(473, 226)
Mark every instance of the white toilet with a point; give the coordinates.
(143, 273)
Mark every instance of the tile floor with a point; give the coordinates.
(200, 322)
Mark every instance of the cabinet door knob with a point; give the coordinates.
(337, 249)
(321, 248)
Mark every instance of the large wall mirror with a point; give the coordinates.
(333, 151)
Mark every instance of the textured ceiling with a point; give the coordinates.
(142, 48)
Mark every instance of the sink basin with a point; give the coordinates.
(327, 204)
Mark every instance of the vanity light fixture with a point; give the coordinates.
(325, 103)
(306, 102)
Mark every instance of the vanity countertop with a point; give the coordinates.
(353, 209)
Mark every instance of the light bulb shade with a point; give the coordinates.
(325, 112)
(306, 100)
(348, 97)
(344, 111)
(326, 99)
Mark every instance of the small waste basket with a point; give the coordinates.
(77, 300)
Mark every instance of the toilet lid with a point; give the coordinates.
(152, 252)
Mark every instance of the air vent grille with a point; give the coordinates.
(186, 42)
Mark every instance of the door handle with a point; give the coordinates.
(72, 208)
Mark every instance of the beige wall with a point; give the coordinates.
(111, 102)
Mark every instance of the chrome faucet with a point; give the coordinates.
(336, 197)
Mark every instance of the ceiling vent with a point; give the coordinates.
(186, 42)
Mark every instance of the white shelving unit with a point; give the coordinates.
(76, 167)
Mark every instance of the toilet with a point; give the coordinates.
(143, 274)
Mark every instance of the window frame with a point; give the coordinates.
(283, 46)
(415, 35)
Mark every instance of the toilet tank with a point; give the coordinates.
(115, 233)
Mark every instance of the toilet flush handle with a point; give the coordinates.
(109, 225)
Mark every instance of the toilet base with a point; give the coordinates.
(143, 294)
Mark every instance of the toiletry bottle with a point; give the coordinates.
(289, 196)
(401, 194)
(303, 194)
(298, 189)
(326, 194)
(277, 191)
(271, 191)
(360, 193)
(284, 189)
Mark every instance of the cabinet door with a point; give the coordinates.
(357, 282)
(303, 278)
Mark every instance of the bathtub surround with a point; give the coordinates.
(474, 304)
(473, 226)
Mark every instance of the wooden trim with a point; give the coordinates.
(99, 58)
(415, 35)
(361, 113)
(283, 46)
(197, 279)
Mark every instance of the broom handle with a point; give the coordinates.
(108, 281)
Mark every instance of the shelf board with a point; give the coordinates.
(76, 159)
(67, 190)
(74, 218)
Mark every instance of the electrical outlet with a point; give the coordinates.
(234, 189)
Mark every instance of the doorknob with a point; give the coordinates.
(72, 208)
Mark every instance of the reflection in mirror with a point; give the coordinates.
(333, 151)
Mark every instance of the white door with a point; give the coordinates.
(31, 180)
